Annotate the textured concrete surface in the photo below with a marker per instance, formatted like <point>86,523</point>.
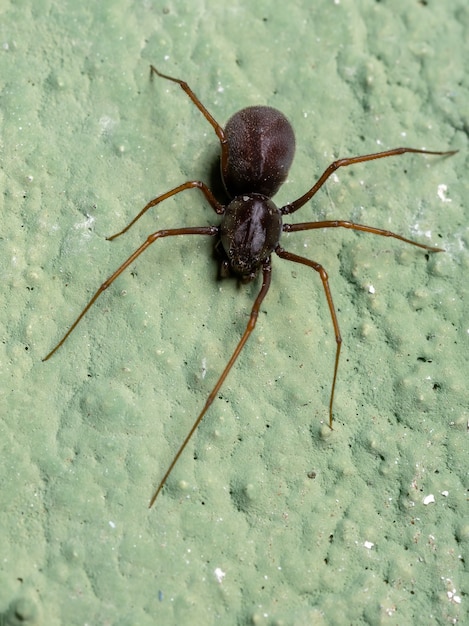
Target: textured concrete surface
<point>268,518</point>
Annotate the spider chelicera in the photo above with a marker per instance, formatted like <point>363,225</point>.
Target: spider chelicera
<point>257,149</point>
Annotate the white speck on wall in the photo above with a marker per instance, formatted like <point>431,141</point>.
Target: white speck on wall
<point>454,597</point>
<point>442,191</point>
<point>219,574</point>
<point>429,499</point>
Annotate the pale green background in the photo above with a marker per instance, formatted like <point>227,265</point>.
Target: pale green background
<point>86,140</point>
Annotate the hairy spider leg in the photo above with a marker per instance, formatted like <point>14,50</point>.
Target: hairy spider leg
<point>297,204</point>
<point>194,230</point>
<point>266,278</point>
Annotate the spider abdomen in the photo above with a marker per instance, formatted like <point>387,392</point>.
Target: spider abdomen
<point>261,146</point>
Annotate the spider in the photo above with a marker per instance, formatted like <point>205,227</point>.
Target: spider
<point>257,149</point>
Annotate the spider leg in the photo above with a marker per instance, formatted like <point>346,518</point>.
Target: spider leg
<point>195,230</point>
<point>297,204</point>
<point>211,120</point>
<point>292,228</point>
<point>266,278</point>
<point>191,184</point>
<point>289,256</point>
<point>182,83</point>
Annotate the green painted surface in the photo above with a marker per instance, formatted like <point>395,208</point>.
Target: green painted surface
<point>240,535</point>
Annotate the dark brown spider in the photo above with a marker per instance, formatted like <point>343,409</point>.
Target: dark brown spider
<point>257,149</point>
